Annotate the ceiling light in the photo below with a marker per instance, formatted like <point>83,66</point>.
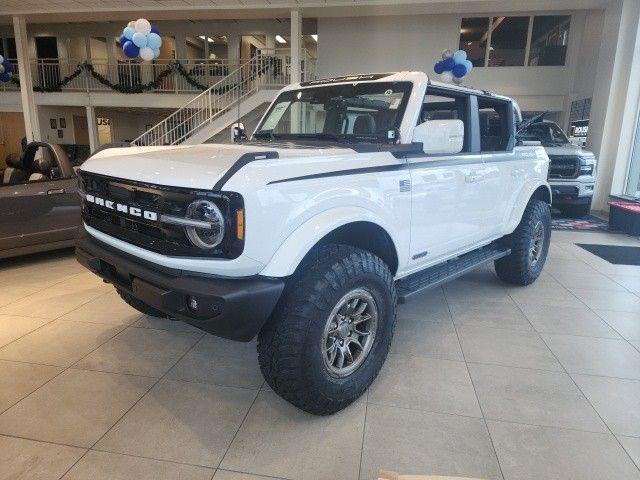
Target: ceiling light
<point>315,37</point>
<point>280,39</point>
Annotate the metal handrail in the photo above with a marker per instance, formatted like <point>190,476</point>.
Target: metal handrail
<point>260,72</point>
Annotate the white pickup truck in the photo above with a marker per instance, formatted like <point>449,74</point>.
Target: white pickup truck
<point>353,194</point>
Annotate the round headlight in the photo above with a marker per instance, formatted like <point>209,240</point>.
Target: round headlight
<point>212,231</point>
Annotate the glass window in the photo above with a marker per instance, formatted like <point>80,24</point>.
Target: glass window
<point>549,39</point>
<point>473,39</point>
<point>508,41</point>
<point>633,180</point>
<point>440,104</point>
<point>495,132</point>
<point>337,112</point>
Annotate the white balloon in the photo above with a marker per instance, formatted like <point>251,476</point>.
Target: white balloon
<point>132,24</point>
<point>445,76</point>
<point>1,59</point>
<point>1,69</point>
<point>143,26</point>
<point>447,53</point>
<point>146,53</point>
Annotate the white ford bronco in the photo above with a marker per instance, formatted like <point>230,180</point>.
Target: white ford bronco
<point>353,194</point>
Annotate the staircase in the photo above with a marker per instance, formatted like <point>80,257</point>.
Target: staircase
<point>251,84</point>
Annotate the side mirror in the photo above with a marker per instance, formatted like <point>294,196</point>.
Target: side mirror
<point>440,136</point>
<point>238,133</point>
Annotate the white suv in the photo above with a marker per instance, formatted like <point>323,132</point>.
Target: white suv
<point>353,194</point>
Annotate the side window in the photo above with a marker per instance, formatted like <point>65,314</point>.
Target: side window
<point>440,104</point>
<point>495,125</point>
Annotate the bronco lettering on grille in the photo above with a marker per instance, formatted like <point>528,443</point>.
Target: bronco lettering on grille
<point>121,207</point>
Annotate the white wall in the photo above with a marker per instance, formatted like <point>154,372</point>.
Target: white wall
<point>45,113</point>
<point>380,44</point>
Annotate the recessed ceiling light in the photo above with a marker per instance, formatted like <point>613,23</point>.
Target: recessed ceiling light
<point>280,39</point>
<point>315,37</point>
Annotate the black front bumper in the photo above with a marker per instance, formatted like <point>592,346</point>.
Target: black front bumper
<point>230,308</point>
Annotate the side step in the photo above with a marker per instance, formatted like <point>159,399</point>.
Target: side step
<point>439,274</point>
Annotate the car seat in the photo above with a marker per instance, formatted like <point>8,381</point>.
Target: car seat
<point>14,172</point>
<point>364,125</point>
<point>42,169</point>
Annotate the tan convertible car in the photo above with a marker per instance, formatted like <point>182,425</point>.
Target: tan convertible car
<point>39,203</point>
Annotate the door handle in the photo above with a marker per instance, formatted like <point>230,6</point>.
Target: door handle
<point>55,191</point>
<point>473,177</point>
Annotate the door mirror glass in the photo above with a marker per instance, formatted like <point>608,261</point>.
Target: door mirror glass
<point>238,133</point>
<point>440,136</point>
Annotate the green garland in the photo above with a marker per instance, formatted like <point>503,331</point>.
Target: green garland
<point>174,66</point>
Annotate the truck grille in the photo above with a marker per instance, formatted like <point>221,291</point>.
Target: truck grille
<point>148,234</point>
<point>564,167</point>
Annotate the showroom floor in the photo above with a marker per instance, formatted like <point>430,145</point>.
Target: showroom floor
<point>484,380</point>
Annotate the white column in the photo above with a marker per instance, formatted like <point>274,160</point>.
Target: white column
<point>112,59</point>
<point>296,44</point>
<point>29,109</point>
<point>615,100</point>
<point>92,126</point>
<point>270,43</point>
<point>233,48</point>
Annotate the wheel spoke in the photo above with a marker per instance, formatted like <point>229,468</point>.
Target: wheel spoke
<point>361,309</point>
<point>347,353</point>
<point>361,318</point>
<point>356,343</point>
<point>340,362</point>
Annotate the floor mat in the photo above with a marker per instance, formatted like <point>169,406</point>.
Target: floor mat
<point>585,224</point>
<point>616,254</point>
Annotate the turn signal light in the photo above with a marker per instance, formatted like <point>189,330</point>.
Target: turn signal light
<point>240,224</point>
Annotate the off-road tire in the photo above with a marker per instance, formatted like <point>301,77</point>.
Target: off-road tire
<point>140,306</point>
<point>517,268</point>
<point>290,344</point>
<point>575,211</point>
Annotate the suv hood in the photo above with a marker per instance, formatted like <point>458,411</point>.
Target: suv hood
<point>192,166</point>
<point>567,149</point>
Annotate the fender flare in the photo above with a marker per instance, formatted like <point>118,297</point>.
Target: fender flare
<point>522,200</point>
<point>291,252</point>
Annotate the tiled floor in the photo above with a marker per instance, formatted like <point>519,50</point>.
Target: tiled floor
<point>484,380</point>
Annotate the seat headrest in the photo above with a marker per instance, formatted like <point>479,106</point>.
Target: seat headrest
<point>13,175</point>
<point>13,160</point>
<point>364,125</point>
<point>43,165</point>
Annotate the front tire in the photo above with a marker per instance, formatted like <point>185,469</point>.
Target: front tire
<point>331,331</point>
<point>529,245</point>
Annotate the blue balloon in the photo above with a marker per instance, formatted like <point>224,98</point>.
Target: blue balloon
<point>156,52</point>
<point>8,66</point>
<point>128,33</point>
<point>130,49</point>
<point>122,40</point>
<point>438,68</point>
<point>448,64</point>
<point>459,71</point>
<point>468,64</point>
<point>460,56</point>
<point>139,39</point>
<point>154,40</point>
<point>155,30</point>
<point>5,77</point>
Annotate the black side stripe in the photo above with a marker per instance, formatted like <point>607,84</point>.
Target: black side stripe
<point>241,162</point>
<point>339,173</point>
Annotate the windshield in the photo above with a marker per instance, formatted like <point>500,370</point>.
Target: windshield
<point>547,133</point>
<point>348,112</point>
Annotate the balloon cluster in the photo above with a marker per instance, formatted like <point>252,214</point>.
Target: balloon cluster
<point>6,69</point>
<point>140,38</point>
<point>453,66</point>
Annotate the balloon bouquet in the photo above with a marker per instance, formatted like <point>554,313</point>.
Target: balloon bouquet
<point>140,38</point>
<point>453,66</point>
<point>6,69</point>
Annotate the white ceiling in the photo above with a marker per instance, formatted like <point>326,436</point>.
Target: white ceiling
<point>45,11</point>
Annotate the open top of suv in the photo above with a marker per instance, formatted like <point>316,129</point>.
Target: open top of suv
<point>353,194</point>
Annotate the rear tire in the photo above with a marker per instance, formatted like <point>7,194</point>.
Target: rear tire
<point>140,306</point>
<point>338,293</point>
<point>529,245</point>
<point>575,211</point>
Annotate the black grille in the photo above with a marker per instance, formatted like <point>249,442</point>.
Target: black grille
<point>563,167</point>
<point>148,234</point>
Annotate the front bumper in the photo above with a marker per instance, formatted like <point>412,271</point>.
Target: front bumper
<point>230,308</point>
<point>571,193</point>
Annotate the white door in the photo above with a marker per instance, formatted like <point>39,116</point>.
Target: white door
<point>447,196</point>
